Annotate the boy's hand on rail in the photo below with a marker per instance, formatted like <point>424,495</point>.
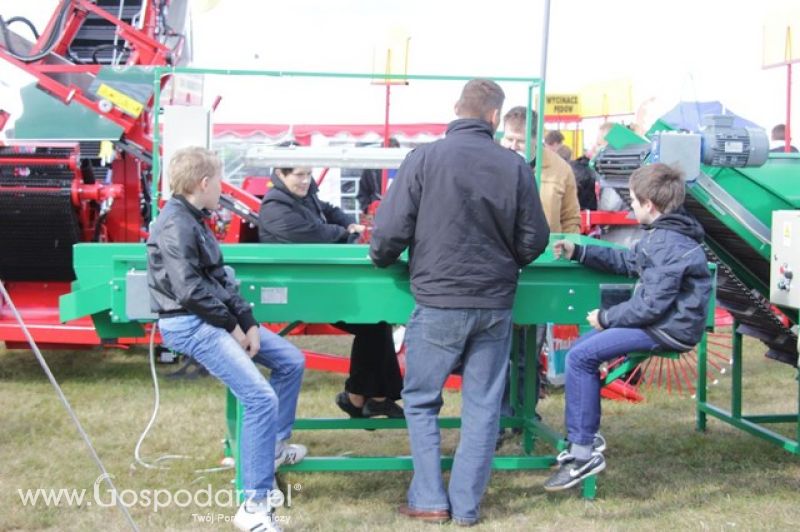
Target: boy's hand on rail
<point>594,319</point>
<point>563,248</point>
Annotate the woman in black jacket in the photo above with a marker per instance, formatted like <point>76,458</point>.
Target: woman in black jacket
<point>291,212</point>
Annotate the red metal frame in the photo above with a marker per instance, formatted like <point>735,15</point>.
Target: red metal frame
<point>125,221</point>
<point>145,51</point>
<point>590,219</point>
<point>787,146</point>
<point>37,304</point>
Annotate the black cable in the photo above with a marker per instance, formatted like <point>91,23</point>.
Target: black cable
<point>25,21</point>
<point>51,39</point>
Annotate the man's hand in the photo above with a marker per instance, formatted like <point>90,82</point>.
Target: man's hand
<point>594,319</point>
<point>253,341</point>
<point>356,228</point>
<point>563,248</point>
<point>240,337</point>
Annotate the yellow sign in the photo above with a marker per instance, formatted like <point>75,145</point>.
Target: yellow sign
<point>124,102</point>
<point>607,98</point>
<point>391,58</point>
<point>781,44</point>
<point>562,105</point>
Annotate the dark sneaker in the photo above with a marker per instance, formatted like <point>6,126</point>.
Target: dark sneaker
<point>598,444</point>
<point>343,402</point>
<point>390,409</point>
<point>572,471</point>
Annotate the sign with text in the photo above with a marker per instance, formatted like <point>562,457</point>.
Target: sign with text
<point>563,107</point>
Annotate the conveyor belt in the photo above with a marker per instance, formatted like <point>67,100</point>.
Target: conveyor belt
<point>38,223</point>
<point>94,42</point>
<point>750,308</point>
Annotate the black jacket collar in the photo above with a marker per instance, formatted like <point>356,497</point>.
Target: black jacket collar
<point>198,214</point>
<point>470,125</point>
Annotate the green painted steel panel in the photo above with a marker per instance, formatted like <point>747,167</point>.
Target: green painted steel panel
<point>46,118</point>
<point>321,283</point>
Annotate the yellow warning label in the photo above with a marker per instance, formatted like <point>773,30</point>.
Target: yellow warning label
<point>124,102</point>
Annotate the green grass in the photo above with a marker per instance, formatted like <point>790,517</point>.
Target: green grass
<point>661,475</point>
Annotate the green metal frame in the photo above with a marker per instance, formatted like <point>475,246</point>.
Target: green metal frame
<point>160,72</point>
<point>750,423</point>
<point>760,191</point>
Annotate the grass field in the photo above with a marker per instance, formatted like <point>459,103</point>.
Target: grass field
<point>661,475</point>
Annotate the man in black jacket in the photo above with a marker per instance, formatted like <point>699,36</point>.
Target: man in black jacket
<point>201,314</point>
<point>469,212</point>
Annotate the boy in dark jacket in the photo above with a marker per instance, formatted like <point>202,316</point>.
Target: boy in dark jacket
<point>667,311</point>
<point>201,314</point>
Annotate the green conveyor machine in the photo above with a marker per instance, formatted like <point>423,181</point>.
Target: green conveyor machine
<point>320,283</point>
<point>734,188</point>
<point>330,283</point>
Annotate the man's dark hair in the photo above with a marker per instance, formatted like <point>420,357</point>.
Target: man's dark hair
<point>479,98</point>
<point>661,184</point>
<point>553,137</point>
<point>779,132</point>
<point>515,119</point>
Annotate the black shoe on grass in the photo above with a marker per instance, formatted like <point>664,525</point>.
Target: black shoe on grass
<point>572,471</point>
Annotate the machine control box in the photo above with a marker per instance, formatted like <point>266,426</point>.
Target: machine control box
<point>785,261</point>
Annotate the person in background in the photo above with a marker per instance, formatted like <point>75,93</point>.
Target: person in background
<point>778,140</point>
<point>559,199</point>
<point>553,140</point>
<point>369,185</point>
<point>291,212</point>
<point>565,152</point>
<point>558,192</point>
<point>586,182</point>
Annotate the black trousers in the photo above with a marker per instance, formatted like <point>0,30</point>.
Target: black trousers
<point>374,371</point>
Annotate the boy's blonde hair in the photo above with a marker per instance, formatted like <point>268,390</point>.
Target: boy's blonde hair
<point>661,184</point>
<point>189,166</point>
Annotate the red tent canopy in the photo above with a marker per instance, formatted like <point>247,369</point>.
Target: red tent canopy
<point>302,132</point>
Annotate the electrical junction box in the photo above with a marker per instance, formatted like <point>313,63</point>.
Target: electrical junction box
<point>785,263</point>
<point>137,296</point>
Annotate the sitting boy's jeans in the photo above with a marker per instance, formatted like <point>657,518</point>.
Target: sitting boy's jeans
<point>583,380</point>
<point>436,341</point>
<point>269,407</point>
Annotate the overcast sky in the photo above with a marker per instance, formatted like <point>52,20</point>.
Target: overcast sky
<point>673,51</point>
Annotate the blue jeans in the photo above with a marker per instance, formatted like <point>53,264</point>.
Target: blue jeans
<point>269,406</point>
<point>582,411</point>
<point>437,340</point>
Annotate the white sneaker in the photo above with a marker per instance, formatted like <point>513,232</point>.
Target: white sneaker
<point>256,517</point>
<point>289,453</point>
